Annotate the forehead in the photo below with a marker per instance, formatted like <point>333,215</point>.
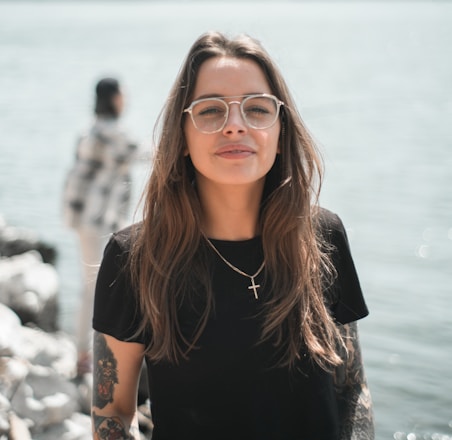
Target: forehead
<point>227,76</point>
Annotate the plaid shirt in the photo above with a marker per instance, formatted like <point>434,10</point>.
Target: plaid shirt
<point>97,187</point>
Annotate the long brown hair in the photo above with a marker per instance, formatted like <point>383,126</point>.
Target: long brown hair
<point>167,257</point>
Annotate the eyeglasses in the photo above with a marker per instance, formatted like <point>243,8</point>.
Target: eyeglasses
<point>209,115</point>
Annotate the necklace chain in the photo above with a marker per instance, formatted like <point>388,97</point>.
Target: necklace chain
<point>253,286</point>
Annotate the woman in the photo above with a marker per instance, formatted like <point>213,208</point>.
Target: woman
<point>96,197</point>
<point>238,291</point>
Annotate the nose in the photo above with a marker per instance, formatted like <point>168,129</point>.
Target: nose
<point>234,122</point>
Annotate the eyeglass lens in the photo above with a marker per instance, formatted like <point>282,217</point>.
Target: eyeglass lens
<point>260,112</point>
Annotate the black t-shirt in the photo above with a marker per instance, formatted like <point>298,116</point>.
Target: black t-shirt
<point>227,389</point>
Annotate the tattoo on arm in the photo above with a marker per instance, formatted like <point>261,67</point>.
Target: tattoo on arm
<point>106,428</point>
<point>105,372</point>
<point>354,400</point>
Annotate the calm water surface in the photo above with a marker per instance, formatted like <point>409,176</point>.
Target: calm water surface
<point>372,81</point>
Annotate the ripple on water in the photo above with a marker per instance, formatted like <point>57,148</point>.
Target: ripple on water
<point>414,436</point>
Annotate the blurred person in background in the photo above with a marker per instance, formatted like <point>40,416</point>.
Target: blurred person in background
<point>96,198</point>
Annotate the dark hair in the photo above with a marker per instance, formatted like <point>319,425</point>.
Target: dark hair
<point>168,256</point>
<point>106,90</point>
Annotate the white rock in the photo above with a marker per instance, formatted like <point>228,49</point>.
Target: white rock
<point>12,373</point>
<point>12,233</point>
<point>58,408</point>
<point>35,398</point>
<point>42,279</point>
<point>78,427</point>
<point>12,266</point>
<point>25,300</point>
<point>26,283</point>
<point>10,329</point>
<point>5,407</point>
<point>55,350</point>
<point>45,381</point>
<point>25,406</point>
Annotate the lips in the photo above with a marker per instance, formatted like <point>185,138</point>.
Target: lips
<point>235,150</point>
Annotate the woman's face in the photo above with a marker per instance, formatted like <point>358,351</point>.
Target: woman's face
<point>237,154</point>
<point>118,102</point>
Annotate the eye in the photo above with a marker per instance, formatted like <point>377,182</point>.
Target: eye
<point>259,107</point>
<point>209,109</point>
<point>256,109</point>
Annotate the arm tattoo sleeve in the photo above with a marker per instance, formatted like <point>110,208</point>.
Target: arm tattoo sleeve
<point>354,400</point>
<point>105,372</point>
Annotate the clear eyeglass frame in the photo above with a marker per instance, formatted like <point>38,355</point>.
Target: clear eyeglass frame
<point>278,103</point>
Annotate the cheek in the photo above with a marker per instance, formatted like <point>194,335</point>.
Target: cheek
<point>195,145</point>
<point>273,138</point>
<point>272,142</point>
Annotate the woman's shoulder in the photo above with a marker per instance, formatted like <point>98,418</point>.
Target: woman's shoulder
<point>126,236</point>
<point>327,221</point>
<point>331,230</point>
<point>344,294</point>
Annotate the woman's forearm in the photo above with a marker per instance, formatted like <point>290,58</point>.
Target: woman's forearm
<point>115,377</point>
<point>354,399</point>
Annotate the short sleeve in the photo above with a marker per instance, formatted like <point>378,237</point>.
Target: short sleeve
<point>347,300</point>
<point>116,310</point>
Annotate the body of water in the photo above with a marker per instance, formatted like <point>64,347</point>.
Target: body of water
<point>373,83</point>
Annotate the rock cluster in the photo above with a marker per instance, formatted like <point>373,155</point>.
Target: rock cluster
<point>28,280</point>
<point>40,397</point>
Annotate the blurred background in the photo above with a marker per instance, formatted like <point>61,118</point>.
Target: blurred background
<point>372,81</point>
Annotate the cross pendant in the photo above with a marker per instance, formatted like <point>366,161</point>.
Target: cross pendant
<point>254,286</point>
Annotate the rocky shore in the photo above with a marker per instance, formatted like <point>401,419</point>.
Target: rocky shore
<point>40,396</point>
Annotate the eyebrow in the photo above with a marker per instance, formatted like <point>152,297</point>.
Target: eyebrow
<point>216,95</point>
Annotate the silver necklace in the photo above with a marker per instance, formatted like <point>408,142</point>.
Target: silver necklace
<point>253,286</point>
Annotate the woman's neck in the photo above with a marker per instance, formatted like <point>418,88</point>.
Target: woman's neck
<point>230,212</point>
